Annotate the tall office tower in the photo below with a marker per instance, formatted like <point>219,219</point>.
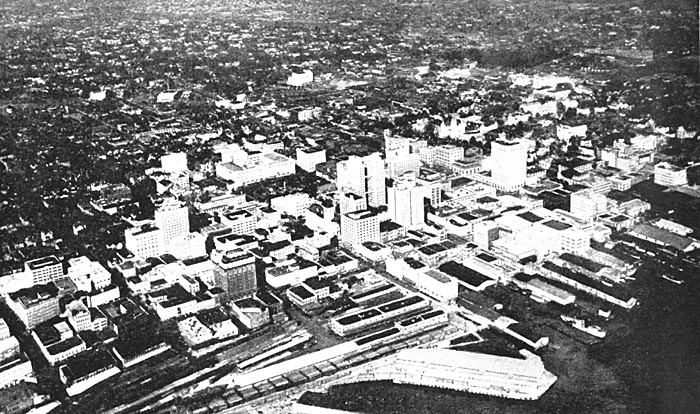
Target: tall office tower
<point>173,219</point>
<point>350,202</point>
<point>234,272</point>
<point>509,164</point>
<point>431,183</point>
<point>363,176</point>
<point>359,227</point>
<point>405,201</point>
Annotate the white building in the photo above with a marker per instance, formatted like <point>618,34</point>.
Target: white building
<point>308,159</point>
<point>405,202</point>
<point>174,162</point>
<point>300,79</point>
<point>354,322</point>
<point>350,202</point>
<point>478,373</point>
<point>397,166</point>
<point>44,270</point>
<point>255,168</point>
<point>172,218</point>
<point>358,227</point>
<point>14,371</point>
<point>437,285</point>
<point>88,275</point>
<point>508,164</point>
<point>79,316</point>
<point>586,205</point>
<point>144,241</point>
<point>431,182</point>
<point>363,176</point>
<point>290,274</point>
<point>292,204</point>
<point>187,246</point>
<point>670,175</point>
<point>221,202</point>
<point>240,221</point>
<point>446,155</point>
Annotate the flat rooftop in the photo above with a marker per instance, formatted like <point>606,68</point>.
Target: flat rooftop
<point>361,214</point>
<point>440,277</point>
<point>43,262</point>
<point>35,295</point>
<point>556,225</point>
<point>302,292</point>
<point>464,274</point>
<point>531,217</point>
<point>85,364</point>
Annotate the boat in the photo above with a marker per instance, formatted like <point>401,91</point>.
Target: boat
<point>672,280</point>
<point>580,324</point>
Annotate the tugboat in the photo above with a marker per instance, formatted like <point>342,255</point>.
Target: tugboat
<point>580,324</point>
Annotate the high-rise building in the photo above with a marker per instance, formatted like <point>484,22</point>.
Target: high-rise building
<point>234,272</point>
<point>405,201</point>
<point>509,164</point>
<point>431,183</point>
<point>173,219</point>
<point>363,176</point>
<point>359,227</point>
<point>144,241</point>
<point>44,270</point>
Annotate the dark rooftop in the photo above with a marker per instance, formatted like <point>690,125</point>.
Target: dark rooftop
<point>557,225</point>
<point>531,217</point>
<point>302,292</point>
<point>464,274</point>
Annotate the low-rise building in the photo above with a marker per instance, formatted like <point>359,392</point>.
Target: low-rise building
<point>239,221</point>
<point>88,275</point>
<point>346,325</point>
<point>58,342</point>
<point>290,273</point>
<point>15,370</point>
<point>251,312</point>
<point>308,159</point>
<point>670,175</point>
<point>175,301</point>
<point>84,371</point>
